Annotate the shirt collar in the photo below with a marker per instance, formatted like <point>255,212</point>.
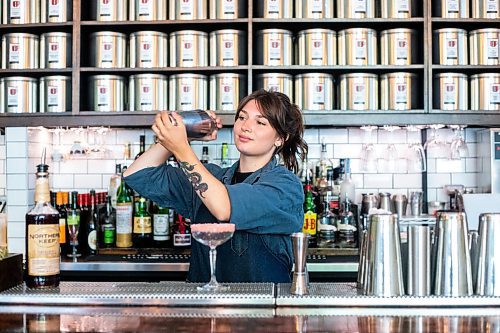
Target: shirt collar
<point>229,173</point>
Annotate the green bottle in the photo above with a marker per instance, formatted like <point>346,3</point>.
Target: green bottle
<point>143,231</point>
<point>161,226</point>
<point>310,215</point>
<point>123,216</point>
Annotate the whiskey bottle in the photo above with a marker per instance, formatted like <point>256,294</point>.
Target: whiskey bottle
<point>42,237</point>
<point>108,230</point>
<point>143,232</point>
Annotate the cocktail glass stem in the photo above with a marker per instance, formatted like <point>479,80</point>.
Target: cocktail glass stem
<point>213,260</point>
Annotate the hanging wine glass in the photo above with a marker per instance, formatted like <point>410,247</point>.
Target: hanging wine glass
<point>435,146</point>
<point>368,153</point>
<point>459,148</point>
<point>416,155</point>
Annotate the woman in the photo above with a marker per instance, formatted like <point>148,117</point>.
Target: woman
<point>263,199</point>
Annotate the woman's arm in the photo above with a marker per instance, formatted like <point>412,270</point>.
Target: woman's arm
<point>154,156</point>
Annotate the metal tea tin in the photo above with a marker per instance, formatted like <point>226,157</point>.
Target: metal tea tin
<point>226,90</point>
<point>317,47</point>
<point>21,11</point>
<point>109,10</point>
<point>188,92</point>
<point>106,93</point>
<point>148,92</point>
<point>451,8</point>
<point>148,10</point>
<point>356,9</point>
<point>276,82</point>
<point>275,9</point>
<point>398,47</point>
<point>314,91</point>
<point>228,47</point>
<point>451,91</point>
<point>55,50</point>
<point>358,91</point>
<point>357,46</point>
<point>56,11</point>
<point>450,46</point>
<point>18,94</point>
<point>148,49</point>
<point>274,47</point>
<point>484,46</point>
<point>485,91</point>
<point>227,9</point>
<point>318,9</point>
<point>188,48</point>
<point>188,10</point>
<point>398,8</point>
<point>486,9</point>
<point>20,51</point>
<point>398,91</point>
<point>109,49</point>
<point>55,93</point>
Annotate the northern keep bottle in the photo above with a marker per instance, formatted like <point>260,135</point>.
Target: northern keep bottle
<point>143,231</point>
<point>42,237</point>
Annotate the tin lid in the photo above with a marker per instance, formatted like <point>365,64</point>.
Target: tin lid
<point>274,31</point>
<point>18,78</point>
<point>398,31</point>
<point>55,78</point>
<point>19,35</point>
<point>451,75</point>
<point>358,75</point>
<point>313,76</point>
<point>450,30</point>
<point>228,32</point>
<point>356,31</point>
<point>274,76</point>
<point>107,33</point>
<point>55,34</point>
<point>189,32</point>
<point>105,77</point>
<point>148,33</point>
<point>149,76</point>
<point>227,76</point>
<point>316,31</point>
<point>484,31</point>
<point>486,76</point>
<point>188,76</point>
<point>398,75</point>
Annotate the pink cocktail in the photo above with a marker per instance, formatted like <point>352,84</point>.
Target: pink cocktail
<point>212,235</point>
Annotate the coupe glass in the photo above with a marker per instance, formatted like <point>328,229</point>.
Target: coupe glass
<point>212,235</point>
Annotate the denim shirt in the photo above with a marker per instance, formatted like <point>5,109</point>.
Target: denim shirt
<point>266,208</point>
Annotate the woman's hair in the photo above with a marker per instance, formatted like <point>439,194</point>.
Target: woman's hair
<point>286,119</point>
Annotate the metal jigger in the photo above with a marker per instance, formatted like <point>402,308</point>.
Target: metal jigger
<point>300,283</point>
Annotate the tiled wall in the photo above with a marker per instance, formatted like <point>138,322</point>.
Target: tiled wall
<point>3,180</point>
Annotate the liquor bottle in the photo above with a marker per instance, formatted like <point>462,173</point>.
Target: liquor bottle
<point>204,155</point>
<point>42,237</point>
<point>181,233</point>
<point>347,187</point>
<point>73,224</point>
<point>83,203</point>
<point>322,167</point>
<point>142,146</point>
<point>114,184</point>
<point>53,198</point>
<point>346,226</point>
<point>107,223</point>
<point>172,162</point>
<point>92,225</point>
<point>224,161</point>
<point>310,215</point>
<point>62,222</point>
<point>123,216</point>
<point>327,226</point>
<point>143,231</point>
<point>161,226</point>
<point>305,172</point>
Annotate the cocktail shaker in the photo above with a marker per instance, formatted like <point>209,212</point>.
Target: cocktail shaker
<point>419,260</point>
<point>488,266</point>
<point>198,123</point>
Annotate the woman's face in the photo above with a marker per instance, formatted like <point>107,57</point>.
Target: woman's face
<point>253,134</point>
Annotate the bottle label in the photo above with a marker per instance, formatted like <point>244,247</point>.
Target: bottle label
<point>146,97</point>
<point>54,8</point>
<point>92,240</point>
<point>43,249</point>
<point>103,96</point>
<point>401,93</point>
<point>14,53</point>
<point>402,49</point>
<point>188,49</point>
<point>142,225</point>
<point>146,54</point>
<point>274,50</point>
<point>186,97</point>
<point>318,96</point>
<point>145,8</point>
<point>109,236</point>
<point>310,220</point>
<point>227,95</point>
<point>360,49</point>
<point>359,95</point>
<point>16,9</point>
<point>62,231</point>
<point>53,96</point>
<point>493,47</point>
<point>161,227</point>
<point>53,53</point>
<point>347,233</point>
<point>182,239</point>
<point>228,51</point>
<point>124,218</point>
<point>228,7</point>
<point>317,49</point>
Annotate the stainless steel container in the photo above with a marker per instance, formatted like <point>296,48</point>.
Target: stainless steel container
<point>276,82</point>
<point>188,92</point>
<point>226,90</point>
<point>21,12</point>
<point>356,9</point>
<point>106,93</point>
<point>55,93</point>
<point>398,8</point>
<point>319,9</point>
<point>451,91</point>
<point>55,50</point>
<point>486,9</point>
<point>484,46</point>
<point>148,10</point>
<point>188,10</point>
<point>20,51</point>
<point>485,91</point>
<point>227,9</point>
<point>398,91</point>
<point>450,46</point>
<point>275,9</point>
<point>109,10</point>
<point>451,8</point>
<point>274,47</point>
<point>109,49</point>
<point>19,94</point>
<point>188,48</point>
<point>317,47</point>
<point>398,47</point>
<point>55,11</point>
<point>148,92</point>
<point>228,47</point>
<point>357,46</point>
<point>148,49</point>
<point>358,91</point>
<point>314,91</point>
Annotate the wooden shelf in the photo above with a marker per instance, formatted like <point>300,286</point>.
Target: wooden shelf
<point>163,70</point>
<point>337,69</point>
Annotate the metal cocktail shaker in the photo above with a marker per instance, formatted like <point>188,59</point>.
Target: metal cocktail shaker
<point>198,123</point>
<point>300,281</point>
<point>419,260</point>
<point>488,266</point>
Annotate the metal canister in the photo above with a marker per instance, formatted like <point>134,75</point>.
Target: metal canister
<point>450,46</point>
<point>148,10</point>
<point>228,47</point>
<point>21,12</point>
<point>20,51</point>
<point>398,8</point>
<point>356,9</point>
<point>188,48</point>
<point>55,93</point>
<point>276,82</point>
<point>188,10</point>
<point>357,46</point>
<point>148,92</point>
<point>317,47</point>
<point>148,49</point>
<point>451,8</point>
<point>484,46</point>
<point>56,11</point>
<point>227,9</point>
<point>399,91</point>
<point>398,47</point>
<point>109,10</point>
<point>358,91</point>
<point>188,92</point>
<point>55,50</point>
<point>314,91</point>
<point>318,9</point>
<point>226,90</point>
<point>18,94</point>
<point>106,93</point>
<point>274,47</point>
<point>485,91</point>
<point>109,49</point>
<point>486,9</point>
<point>451,91</point>
<point>275,9</point>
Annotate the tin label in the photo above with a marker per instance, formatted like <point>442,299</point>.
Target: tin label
<point>105,8</point>
<point>451,48</point>
<point>273,7</point>
<point>274,87</point>
<point>359,95</point>
<point>360,49</point>
<point>146,51</point>
<point>495,93</point>
<point>274,50</point>
<point>161,227</point>
<point>317,49</point>
<point>449,94</point>
<point>14,53</point>
<point>54,8</point>
<point>452,6</point>
<point>228,7</point>
<point>228,51</point>
<point>187,49</point>
<point>226,90</point>
<point>316,7</point>
<point>401,49</point>
<point>491,6</point>
<point>401,93</point>
<point>16,9</point>
<point>492,49</point>
<point>53,54</point>
<point>186,8</point>
<point>145,8</point>
<point>403,6</point>
<point>52,96</point>
<point>103,96</point>
<point>106,52</point>
<point>146,96</point>
<point>359,6</point>
<point>12,97</point>
<point>123,218</point>
<point>318,94</point>
<point>43,249</point>
<point>186,96</point>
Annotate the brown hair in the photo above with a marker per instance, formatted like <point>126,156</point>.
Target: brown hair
<point>286,118</point>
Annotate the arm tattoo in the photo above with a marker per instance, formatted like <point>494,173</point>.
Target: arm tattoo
<point>194,178</point>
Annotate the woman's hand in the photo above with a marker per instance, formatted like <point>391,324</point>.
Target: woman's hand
<point>213,135</point>
<point>170,131</point>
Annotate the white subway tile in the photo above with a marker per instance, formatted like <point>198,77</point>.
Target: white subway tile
<point>397,136</point>
<point>446,165</point>
<point>2,167</point>
<point>377,181</point>
<point>16,134</point>
<point>431,165</point>
<point>471,134</point>
<point>128,136</point>
<point>314,151</point>
<point>466,179</point>
<point>17,165</point>
<point>347,151</point>
<point>17,213</point>
<point>32,181</point>
<point>414,136</point>
<point>17,245</point>
<point>74,166</point>
<point>358,180</point>
<point>3,153</point>
<point>407,181</point>
<point>473,165</point>
<point>311,135</point>
<point>62,181</point>
<point>437,180</point>
<point>431,194</point>
<point>224,135</point>
<point>88,181</point>
<point>3,178</point>
<point>18,198</point>
<point>2,139</point>
<point>357,135</point>
<point>101,166</point>
<point>17,182</point>
<point>472,148</point>
<point>334,135</point>
<point>16,229</point>
<point>105,180</point>
<point>2,192</point>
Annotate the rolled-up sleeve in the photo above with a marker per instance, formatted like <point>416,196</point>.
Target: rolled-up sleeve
<point>272,205</point>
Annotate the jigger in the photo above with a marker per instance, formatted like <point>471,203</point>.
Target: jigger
<point>300,281</point>
<point>488,265</point>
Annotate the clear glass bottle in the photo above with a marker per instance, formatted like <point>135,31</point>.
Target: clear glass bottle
<point>347,226</point>
<point>322,167</point>
<point>224,161</point>
<point>205,158</point>
<point>347,187</point>
<point>305,172</point>
<point>327,227</point>
<point>114,184</point>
